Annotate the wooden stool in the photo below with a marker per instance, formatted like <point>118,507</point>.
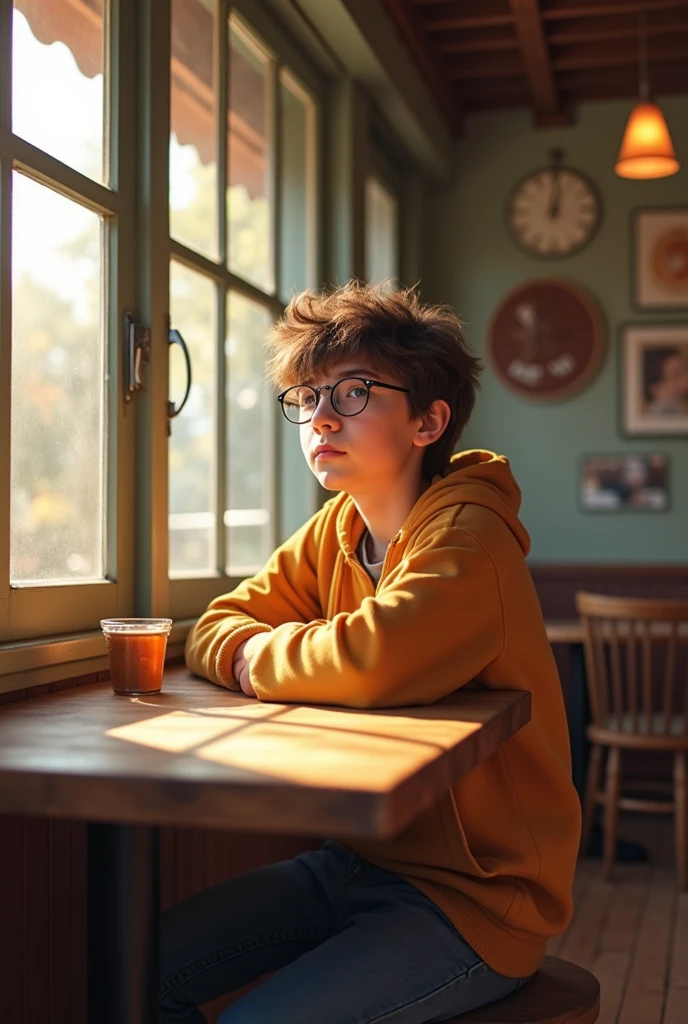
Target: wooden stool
<point>558,993</point>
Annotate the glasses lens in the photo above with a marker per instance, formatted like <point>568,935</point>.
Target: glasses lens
<point>350,396</point>
<point>299,403</point>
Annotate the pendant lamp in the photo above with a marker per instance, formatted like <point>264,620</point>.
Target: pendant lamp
<point>646,148</point>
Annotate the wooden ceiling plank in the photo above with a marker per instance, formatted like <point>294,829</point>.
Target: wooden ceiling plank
<point>480,40</point>
<point>475,67</point>
<point>554,10</point>
<point>617,53</point>
<point>466,16</point>
<point>535,54</point>
<point>584,30</point>
<point>411,31</point>
<point>478,46</point>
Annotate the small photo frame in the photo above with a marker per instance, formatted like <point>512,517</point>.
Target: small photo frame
<point>660,258</point>
<point>654,380</point>
<point>625,482</point>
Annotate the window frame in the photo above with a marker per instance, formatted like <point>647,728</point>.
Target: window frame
<point>29,612</point>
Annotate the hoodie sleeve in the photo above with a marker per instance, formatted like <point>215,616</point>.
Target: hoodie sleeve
<point>434,624</point>
<point>285,591</point>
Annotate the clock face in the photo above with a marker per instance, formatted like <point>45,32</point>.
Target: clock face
<point>554,212</point>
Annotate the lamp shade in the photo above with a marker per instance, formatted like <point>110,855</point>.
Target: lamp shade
<point>646,148</point>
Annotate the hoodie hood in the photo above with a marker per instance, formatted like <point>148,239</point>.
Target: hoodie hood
<point>475,477</point>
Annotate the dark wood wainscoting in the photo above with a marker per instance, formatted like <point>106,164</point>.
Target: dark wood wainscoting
<point>557,584</point>
<point>43,904</point>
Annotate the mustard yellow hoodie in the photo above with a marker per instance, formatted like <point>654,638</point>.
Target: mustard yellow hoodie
<point>455,603</point>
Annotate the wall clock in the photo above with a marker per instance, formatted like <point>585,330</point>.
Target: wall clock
<point>555,211</point>
<point>546,339</point>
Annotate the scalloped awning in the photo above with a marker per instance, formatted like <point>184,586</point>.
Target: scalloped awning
<point>79,25</point>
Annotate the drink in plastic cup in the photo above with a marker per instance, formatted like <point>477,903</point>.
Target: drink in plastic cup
<point>137,653</point>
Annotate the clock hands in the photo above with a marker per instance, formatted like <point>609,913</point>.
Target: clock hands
<point>555,176</point>
<point>555,195</point>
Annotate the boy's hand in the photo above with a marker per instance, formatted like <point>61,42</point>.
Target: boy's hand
<point>241,671</point>
<point>241,662</point>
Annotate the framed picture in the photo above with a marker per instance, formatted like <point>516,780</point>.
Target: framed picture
<point>627,482</point>
<point>660,258</point>
<point>654,380</point>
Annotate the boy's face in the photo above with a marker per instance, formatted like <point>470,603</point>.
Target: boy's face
<point>375,449</point>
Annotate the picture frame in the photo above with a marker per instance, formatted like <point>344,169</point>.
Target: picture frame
<point>624,482</point>
<point>659,255</point>
<point>653,376</point>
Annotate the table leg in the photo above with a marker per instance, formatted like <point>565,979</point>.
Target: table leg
<point>123,924</point>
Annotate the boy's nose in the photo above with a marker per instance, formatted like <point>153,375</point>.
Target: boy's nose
<point>325,414</point>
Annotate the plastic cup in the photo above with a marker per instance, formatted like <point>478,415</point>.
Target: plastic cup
<point>137,653</point>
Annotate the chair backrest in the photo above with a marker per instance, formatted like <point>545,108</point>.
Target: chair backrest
<point>636,658</point>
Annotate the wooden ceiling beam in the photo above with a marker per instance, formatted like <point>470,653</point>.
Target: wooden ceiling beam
<point>554,10</point>
<point>535,55</point>
<point>413,35</point>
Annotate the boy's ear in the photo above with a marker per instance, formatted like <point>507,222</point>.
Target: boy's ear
<point>433,423</point>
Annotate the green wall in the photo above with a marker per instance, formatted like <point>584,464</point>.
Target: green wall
<point>471,262</point>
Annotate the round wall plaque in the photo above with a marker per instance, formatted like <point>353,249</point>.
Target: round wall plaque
<point>546,339</point>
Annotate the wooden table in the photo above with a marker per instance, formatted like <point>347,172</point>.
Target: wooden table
<point>198,755</point>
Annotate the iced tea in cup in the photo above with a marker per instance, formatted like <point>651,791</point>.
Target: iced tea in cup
<point>137,653</point>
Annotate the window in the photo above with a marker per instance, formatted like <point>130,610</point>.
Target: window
<point>82,241</point>
<point>63,282</point>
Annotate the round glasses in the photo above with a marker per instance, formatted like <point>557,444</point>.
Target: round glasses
<point>349,397</point>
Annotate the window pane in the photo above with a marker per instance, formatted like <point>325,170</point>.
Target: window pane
<point>57,80</point>
<point>381,233</point>
<point>298,189</point>
<point>192,450</point>
<point>248,204</point>
<point>249,438</point>
<point>193,144</point>
<point>58,401</point>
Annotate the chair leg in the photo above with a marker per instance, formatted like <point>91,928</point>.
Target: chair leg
<point>680,815</point>
<point>592,787</point>
<point>611,809</point>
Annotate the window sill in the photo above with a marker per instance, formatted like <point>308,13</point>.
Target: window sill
<point>28,663</point>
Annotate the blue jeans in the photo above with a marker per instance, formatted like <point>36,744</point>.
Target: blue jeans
<point>348,942</point>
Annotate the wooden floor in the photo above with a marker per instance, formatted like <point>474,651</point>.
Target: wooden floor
<point>632,933</point>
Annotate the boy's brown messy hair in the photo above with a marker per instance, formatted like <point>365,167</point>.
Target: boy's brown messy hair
<point>422,345</point>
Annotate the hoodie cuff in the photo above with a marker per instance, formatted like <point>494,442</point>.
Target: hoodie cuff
<point>225,656</point>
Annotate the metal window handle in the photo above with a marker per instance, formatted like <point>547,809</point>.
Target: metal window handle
<point>175,338</point>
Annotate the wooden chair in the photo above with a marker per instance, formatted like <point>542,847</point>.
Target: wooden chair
<point>558,993</point>
<point>636,657</point>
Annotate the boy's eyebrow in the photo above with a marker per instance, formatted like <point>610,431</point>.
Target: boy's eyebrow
<point>358,372</point>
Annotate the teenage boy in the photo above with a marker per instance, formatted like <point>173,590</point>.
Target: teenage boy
<point>406,585</point>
